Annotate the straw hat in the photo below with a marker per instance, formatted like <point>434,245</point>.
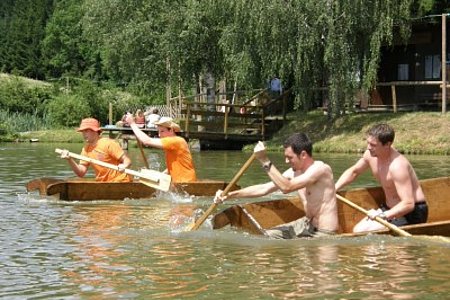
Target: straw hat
<point>89,123</point>
<point>168,123</point>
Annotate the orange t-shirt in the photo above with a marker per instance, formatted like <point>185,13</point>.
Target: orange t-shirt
<point>178,159</point>
<point>108,151</point>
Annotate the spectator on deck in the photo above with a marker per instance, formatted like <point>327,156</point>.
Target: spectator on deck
<point>140,118</point>
<point>275,87</point>
<point>152,117</point>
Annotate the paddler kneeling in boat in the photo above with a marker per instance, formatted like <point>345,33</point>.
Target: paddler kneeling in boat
<point>312,179</point>
<point>179,163</point>
<point>103,149</point>
<point>405,200</point>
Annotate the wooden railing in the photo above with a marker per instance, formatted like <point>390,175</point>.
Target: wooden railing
<point>223,118</point>
<point>394,84</point>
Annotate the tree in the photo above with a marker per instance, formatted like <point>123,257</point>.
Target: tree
<point>25,31</point>
<point>65,50</point>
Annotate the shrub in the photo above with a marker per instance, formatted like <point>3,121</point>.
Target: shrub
<point>67,110</point>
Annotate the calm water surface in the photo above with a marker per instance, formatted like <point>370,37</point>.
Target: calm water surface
<point>131,249</point>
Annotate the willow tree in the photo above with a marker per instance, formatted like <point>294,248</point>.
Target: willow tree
<point>192,42</point>
<point>128,34</point>
<point>313,44</point>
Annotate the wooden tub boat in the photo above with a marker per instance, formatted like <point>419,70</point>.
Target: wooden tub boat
<point>86,190</point>
<point>257,216</point>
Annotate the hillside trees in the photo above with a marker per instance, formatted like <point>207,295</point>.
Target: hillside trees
<point>140,45</point>
<point>65,51</point>
<point>22,23</point>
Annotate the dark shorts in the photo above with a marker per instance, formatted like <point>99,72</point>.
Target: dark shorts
<point>418,215</point>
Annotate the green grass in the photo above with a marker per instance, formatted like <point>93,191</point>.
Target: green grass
<point>416,133</point>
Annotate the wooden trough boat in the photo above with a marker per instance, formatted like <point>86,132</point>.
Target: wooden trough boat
<point>253,217</point>
<point>87,190</point>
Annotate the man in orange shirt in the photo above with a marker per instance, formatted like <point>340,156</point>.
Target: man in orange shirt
<point>178,156</point>
<point>104,149</point>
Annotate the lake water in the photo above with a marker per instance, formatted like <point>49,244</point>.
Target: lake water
<point>129,250</point>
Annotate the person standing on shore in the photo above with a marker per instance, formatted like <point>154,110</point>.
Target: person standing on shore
<point>103,149</point>
<point>178,157</point>
<point>405,200</point>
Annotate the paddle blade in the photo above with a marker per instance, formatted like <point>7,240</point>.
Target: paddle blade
<point>155,179</point>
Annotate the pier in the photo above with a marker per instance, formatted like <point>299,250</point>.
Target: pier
<point>221,125</point>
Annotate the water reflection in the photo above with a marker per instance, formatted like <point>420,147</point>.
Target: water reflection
<point>131,249</point>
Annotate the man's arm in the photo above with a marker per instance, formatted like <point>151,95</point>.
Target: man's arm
<point>252,191</point>
<point>124,162</point>
<point>79,169</point>
<point>141,136</point>
<point>404,188</point>
<point>286,184</point>
<point>352,173</point>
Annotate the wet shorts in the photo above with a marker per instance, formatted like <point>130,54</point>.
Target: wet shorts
<point>296,229</point>
<point>418,215</point>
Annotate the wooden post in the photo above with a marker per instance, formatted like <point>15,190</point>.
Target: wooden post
<point>225,121</point>
<point>168,86</point>
<point>263,125</point>
<point>394,98</point>
<point>110,114</point>
<point>188,117</point>
<point>444,63</point>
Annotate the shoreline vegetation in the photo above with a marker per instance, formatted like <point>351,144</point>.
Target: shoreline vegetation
<point>416,132</point>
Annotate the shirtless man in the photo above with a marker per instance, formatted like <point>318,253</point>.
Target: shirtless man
<point>405,200</point>
<point>312,179</point>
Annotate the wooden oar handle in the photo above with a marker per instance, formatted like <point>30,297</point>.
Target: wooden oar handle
<point>238,175</point>
<point>391,226</point>
<point>233,181</point>
<point>108,165</point>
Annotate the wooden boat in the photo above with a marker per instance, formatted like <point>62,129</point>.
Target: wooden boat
<point>85,190</point>
<point>257,216</point>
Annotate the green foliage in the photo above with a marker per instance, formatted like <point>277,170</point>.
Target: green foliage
<point>65,50</point>
<point>18,96</point>
<point>141,46</point>
<point>24,22</point>
<point>67,110</point>
<point>14,122</point>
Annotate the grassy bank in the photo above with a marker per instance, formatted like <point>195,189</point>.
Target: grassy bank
<point>416,133</point>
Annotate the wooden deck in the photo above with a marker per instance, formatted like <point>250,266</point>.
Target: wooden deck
<point>208,140</point>
<point>221,126</point>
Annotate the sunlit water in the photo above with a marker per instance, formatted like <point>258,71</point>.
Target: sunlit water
<point>135,249</point>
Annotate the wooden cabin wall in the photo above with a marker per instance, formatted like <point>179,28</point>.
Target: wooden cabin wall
<point>425,40</point>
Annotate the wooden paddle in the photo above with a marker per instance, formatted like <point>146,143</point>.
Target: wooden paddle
<point>196,225</point>
<point>141,148</point>
<point>148,177</point>
<point>391,226</point>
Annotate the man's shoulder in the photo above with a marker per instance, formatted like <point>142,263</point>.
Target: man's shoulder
<point>320,165</point>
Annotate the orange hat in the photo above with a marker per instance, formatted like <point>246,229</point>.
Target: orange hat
<point>89,123</point>
<point>168,123</point>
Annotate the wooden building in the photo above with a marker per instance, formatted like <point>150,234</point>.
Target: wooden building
<point>410,75</point>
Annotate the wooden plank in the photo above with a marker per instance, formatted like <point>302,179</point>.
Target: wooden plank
<point>88,190</point>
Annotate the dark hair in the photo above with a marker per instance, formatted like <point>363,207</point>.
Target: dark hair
<point>299,142</point>
<point>383,132</point>
<point>155,110</point>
